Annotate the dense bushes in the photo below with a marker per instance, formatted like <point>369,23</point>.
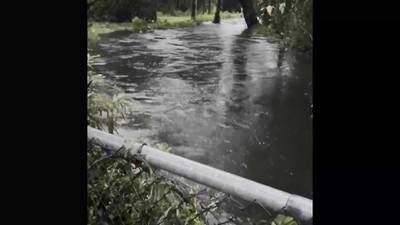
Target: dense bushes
<point>290,20</point>
<point>121,189</point>
<point>126,10</point>
<point>121,192</point>
<point>121,10</point>
<point>106,103</point>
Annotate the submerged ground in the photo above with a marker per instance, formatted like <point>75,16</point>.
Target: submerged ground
<point>218,96</point>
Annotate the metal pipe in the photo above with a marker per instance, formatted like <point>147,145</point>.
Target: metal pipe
<point>246,189</point>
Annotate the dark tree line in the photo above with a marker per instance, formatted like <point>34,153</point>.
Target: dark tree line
<point>122,10</point>
<point>126,10</point>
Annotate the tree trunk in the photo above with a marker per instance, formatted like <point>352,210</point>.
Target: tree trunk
<point>194,7</point>
<point>209,6</point>
<point>217,17</point>
<point>249,12</point>
<point>155,10</point>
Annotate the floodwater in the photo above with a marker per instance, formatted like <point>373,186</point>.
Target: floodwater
<point>218,96</point>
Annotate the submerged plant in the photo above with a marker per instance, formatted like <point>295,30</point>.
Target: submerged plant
<point>122,189</point>
<point>283,220</point>
<point>105,110</point>
<point>140,25</point>
<point>290,21</point>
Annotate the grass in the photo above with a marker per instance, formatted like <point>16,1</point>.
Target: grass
<point>166,21</point>
<point>163,22</point>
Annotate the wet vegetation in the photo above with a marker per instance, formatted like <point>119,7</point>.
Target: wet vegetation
<point>286,21</point>
<point>138,25</point>
<point>121,190</point>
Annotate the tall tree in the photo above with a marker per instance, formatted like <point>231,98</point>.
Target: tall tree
<point>155,10</point>
<point>194,8</point>
<point>217,17</point>
<point>209,6</point>
<point>231,6</point>
<point>249,12</point>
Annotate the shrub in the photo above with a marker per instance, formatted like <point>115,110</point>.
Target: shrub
<point>140,26</point>
<point>121,190</point>
<point>290,20</point>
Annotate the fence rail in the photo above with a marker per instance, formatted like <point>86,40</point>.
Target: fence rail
<point>246,189</point>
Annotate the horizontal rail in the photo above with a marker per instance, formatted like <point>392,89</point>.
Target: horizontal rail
<point>246,189</point>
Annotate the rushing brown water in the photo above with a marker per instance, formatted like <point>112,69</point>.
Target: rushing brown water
<point>219,96</point>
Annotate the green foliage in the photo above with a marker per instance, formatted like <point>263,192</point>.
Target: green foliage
<point>163,147</point>
<point>140,26</point>
<point>121,10</point>
<point>174,7</point>
<point>185,20</point>
<point>104,109</point>
<point>283,220</point>
<point>121,188</point>
<point>97,29</point>
<point>126,10</point>
<point>160,146</point>
<point>119,192</point>
<point>290,21</point>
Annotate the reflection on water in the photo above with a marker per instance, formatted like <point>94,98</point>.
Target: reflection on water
<point>220,97</point>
